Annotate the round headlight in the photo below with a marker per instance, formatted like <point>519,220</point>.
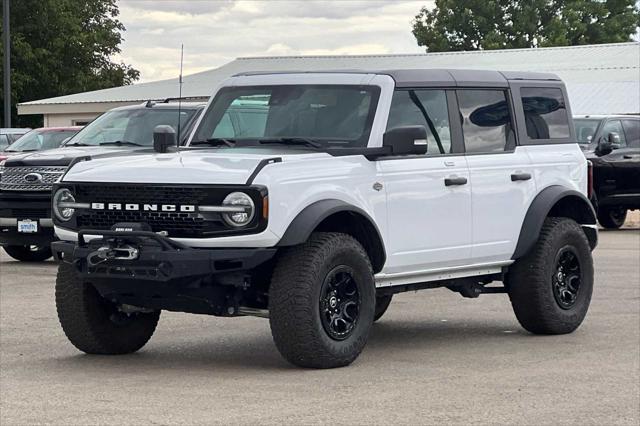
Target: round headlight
<point>61,197</point>
<point>245,209</point>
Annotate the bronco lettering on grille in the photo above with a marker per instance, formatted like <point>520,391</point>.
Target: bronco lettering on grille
<point>144,207</point>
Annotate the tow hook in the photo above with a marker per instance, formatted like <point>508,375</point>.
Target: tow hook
<point>110,253</point>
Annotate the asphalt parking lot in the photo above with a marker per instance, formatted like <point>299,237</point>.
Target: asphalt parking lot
<point>434,358</point>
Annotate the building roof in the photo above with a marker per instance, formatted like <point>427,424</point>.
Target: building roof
<point>600,79</point>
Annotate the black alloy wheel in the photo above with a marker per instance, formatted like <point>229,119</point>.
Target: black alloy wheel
<point>339,303</point>
<point>566,278</point>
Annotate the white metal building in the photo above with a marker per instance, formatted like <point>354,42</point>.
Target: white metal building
<point>601,79</point>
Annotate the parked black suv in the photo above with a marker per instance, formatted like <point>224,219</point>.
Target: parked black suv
<point>612,143</point>
<point>26,228</point>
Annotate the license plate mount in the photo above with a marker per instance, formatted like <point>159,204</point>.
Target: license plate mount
<point>27,226</point>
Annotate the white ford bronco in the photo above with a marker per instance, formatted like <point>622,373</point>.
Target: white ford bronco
<point>312,198</point>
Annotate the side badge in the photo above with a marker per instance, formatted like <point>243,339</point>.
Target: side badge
<point>377,186</point>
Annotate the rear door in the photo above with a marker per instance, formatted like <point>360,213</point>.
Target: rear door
<point>428,196</point>
<point>502,182</point>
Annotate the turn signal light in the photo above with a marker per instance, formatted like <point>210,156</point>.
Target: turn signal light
<point>265,207</point>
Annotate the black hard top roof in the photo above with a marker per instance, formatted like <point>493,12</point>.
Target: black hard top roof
<point>435,77</point>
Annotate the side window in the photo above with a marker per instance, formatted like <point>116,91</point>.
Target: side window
<point>614,126</point>
<point>224,129</point>
<point>486,121</point>
<point>4,142</point>
<point>426,108</point>
<point>251,121</point>
<point>632,132</point>
<point>545,113</point>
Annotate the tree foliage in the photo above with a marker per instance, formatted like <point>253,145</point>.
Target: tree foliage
<point>60,47</point>
<point>455,25</point>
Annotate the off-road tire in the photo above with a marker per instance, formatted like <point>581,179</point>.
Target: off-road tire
<point>612,217</point>
<point>85,317</point>
<point>382,304</point>
<point>530,280</point>
<point>295,298</point>
<point>29,253</point>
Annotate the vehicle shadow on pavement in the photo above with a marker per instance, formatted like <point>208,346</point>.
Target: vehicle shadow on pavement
<point>205,355</point>
<point>440,335</point>
<point>253,354</point>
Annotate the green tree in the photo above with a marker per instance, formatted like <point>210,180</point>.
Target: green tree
<point>502,24</point>
<point>59,47</point>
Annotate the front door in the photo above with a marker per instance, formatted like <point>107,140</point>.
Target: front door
<point>429,196</point>
<point>620,176</point>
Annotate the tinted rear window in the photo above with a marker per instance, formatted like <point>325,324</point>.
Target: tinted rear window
<point>486,121</point>
<point>545,113</point>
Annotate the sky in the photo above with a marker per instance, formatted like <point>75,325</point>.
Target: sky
<point>216,32</point>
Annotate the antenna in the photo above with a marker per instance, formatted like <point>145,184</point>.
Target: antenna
<point>178,140</point>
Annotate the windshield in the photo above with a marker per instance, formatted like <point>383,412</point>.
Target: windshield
<point>332,115</point>
<point>39,140</point>
<point>134,126</point>
<point>586,129</point>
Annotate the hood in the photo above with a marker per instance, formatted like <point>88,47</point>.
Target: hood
<point>63,156</point>
<point>233,166</point>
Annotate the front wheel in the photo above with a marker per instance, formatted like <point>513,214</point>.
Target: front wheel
<point>612,217</point>
<point>29,253</point>
<point>322,301</point>
<point>550,287</point>
<point>94,324</point>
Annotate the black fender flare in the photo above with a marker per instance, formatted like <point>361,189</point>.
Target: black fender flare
<point>539,210</point>
<point>310,217</point>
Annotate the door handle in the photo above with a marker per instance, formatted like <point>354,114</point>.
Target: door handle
<point>520,176</point>
<point>454,180</point>
<point>627,157</point>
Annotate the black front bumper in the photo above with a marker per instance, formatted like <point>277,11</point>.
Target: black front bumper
<point>164,273</point>
<point>35,206</point>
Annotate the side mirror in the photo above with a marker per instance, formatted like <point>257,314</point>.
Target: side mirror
<point>614,140</point>
<point>163,137</point>
<point>406,140</point>
<point>608,144</point>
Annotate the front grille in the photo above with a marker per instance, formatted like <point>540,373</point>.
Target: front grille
<point>42,178</point>
<point>30,213</point>
<point>177,224</point>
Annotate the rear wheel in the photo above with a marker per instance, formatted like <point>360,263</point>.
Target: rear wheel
<point>94,324</point>
<point>550,287</point>
<point>382,304</point>
<point>612,217</point>
<point>29,253</point>
<point>322,301</point>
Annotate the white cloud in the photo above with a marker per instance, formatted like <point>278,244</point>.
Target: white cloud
<point>216,32</point>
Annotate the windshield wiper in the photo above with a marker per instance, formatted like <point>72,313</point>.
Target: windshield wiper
<point>292,141</point>
<point>214,142</point>
<point>77,144</point>
<point>121,143</point>
<point>24,150</point>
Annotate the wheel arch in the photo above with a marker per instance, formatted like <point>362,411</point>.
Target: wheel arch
<point>556,201</point>
<point>337,216</point>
